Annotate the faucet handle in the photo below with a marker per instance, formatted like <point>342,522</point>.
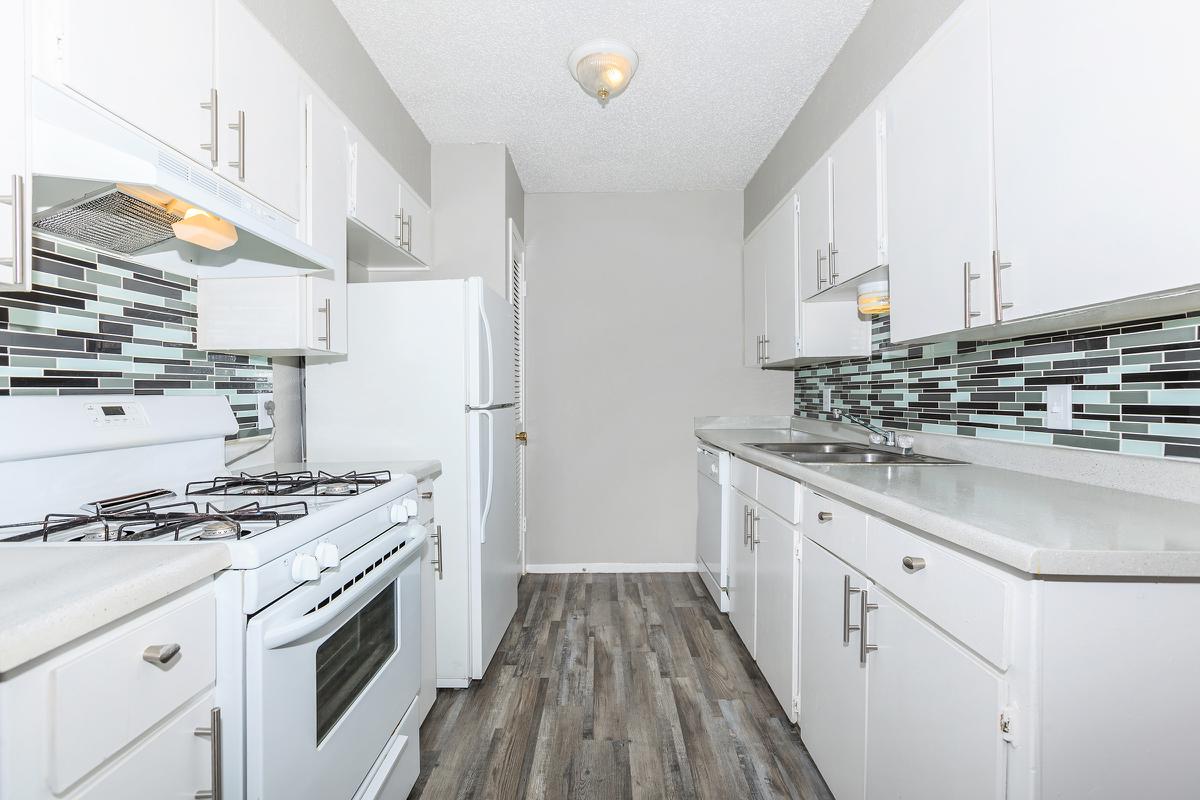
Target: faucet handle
<point>876,438</point>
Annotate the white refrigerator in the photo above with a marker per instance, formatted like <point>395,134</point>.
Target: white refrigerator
<point>430,374</point>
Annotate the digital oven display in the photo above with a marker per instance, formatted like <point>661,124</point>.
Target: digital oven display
<point>113,411</point>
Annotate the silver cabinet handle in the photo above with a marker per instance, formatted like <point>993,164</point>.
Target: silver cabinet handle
<point>968,276</point>
<point>437,562</point>
<point>214,732</point>
<point>325,309</point>
<point>17,200</point>
<point>833,273</point>
<point>913,563</point>
<point>745,526</point>
<point>160,655</point>
<point>824,516</point>
<point>405,222</point>
<point>426,495</point>
<point>864,607</point>
<point>847,590</point>
<point>820,277</point>
<point>240,127</point>
<point>214,126</point>
<point>766,349</point>
<point>754,540</point>
<point>997,291</point>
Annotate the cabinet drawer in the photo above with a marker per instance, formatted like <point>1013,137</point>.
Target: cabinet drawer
<point>425,502</point>
<point>174,762</point>
<point>837,527</point>
<point>108,696</point>
<point>780,494</point>
<point>966,599</point>
<point>708,463</point>
<point>745,477</point>
<point>397,770</point>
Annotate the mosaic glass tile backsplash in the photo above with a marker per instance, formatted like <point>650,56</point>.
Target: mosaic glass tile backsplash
<point>98,325</point>
<point>1135,386</point>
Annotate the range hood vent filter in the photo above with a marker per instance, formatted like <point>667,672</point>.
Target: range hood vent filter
<point>111,220</point>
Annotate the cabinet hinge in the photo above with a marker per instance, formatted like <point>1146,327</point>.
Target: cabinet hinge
<point>1008,724</point>
<point>796,204</point>
<point>796,704</point>
<point>796,551</point>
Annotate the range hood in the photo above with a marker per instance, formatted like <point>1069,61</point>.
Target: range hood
<point>104,185</point>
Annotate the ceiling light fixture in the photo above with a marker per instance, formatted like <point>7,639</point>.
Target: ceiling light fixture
<point>603,67</point>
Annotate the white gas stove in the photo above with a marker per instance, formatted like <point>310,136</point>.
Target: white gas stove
<point>318,620</point>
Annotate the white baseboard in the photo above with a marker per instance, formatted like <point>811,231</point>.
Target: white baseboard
<point>679,566</point>
<point>453,683</point>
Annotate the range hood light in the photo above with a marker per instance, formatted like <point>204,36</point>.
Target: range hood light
<point>204,230</point>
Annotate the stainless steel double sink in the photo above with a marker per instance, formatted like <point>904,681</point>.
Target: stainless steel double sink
<point>845,453</point>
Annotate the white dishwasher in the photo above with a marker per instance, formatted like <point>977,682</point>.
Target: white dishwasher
<point>712,547</point>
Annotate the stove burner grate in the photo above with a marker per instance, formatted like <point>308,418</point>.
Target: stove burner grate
<point>292,483</point>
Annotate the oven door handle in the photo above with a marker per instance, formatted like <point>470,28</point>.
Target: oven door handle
<point>291,632</point>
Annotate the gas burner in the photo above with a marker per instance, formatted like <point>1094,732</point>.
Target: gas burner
<point>304,484</point>
<point>96,532</point>
<point>219,529</point>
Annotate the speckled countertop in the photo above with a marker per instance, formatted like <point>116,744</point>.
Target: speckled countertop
<point>52,594</point>
<point>1037,525</point>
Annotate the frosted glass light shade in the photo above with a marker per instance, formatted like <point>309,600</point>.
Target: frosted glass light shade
<point>204,230</point>
<point>874,297</point>
<point>603,68</point>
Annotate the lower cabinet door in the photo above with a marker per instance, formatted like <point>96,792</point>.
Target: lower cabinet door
<point>742,591</point>
<point>933,713</point>
<point>775,621</point>
<point>833,680</point>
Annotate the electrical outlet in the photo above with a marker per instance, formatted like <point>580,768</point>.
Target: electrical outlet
<point>827,398</point>
<point>264,419</point>
<point>1058,407</point>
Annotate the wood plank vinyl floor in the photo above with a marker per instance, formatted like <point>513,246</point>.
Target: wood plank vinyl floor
<point>615,686</point>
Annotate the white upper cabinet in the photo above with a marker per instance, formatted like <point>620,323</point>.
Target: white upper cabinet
<point>754,308</point>
<point>374,197</point>
<point>416,225</point>
<point>261,110</point>
<point>1097,164</point>
<point>939,182</point>
<point>15,264</point>
<point>778,235</point>
<point>812,194</point>
<point>146,61</point>
<point>326,190</point>
<point>856,181</point>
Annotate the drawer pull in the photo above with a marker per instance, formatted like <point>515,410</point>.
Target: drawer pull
<point>161,655</point>
<point>824,516</point>
<point>864,608</point>
<point>426,495</point>
<point>847,590</point>
<point>913,563</point>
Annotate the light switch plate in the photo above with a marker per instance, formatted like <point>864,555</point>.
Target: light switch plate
<point>264,421</point>
<point>827,398</point>
<point>1058,407</point>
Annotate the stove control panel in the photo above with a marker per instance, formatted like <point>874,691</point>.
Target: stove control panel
<point>118,415</point>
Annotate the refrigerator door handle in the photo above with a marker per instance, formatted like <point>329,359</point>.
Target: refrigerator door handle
<point>491,356</point>
<point>491,469</point>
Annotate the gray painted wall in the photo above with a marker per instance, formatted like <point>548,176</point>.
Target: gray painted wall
<point>320,40</point>
<point>475,191</point>
<point>634,323</point>
<point>888,36</point>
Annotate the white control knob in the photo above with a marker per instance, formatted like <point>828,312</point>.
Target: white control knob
<point>403,511</point>
<point>305,568</point>
<point>327,555</point>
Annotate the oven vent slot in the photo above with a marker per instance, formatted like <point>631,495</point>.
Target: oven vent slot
<point>367,571</point>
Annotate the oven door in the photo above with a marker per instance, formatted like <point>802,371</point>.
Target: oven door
<point>331,668</point>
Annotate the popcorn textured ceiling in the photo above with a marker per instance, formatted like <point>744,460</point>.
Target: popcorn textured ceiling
<point>717,85</point>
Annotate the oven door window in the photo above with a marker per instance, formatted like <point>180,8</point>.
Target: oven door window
<point>352,656</point>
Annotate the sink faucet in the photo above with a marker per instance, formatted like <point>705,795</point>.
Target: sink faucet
<point>879,435</point>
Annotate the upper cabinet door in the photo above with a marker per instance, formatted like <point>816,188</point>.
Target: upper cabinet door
<point>15,265</point>
<point>815,233</point>
<point>782,299</point>
<point>261,101</point>
<point>376,191</point>
<point>1097,165</point>
<point>856,176</point>
<point>326,312</point>
<point>754,310</point>
<point>148,62</point>
<point>939,182</point>
<point>417,230</point>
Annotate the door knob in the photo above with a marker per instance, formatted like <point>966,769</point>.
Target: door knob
<point>522,437</point>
